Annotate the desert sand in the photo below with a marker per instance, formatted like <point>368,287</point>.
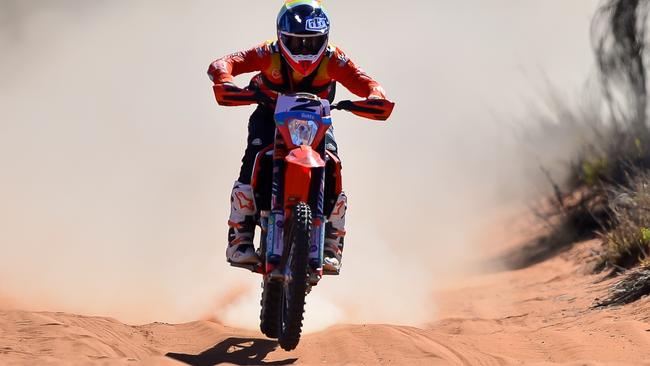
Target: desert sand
<point>536,315</point>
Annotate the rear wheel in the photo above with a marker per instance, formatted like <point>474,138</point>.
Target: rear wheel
<point>294,289</point>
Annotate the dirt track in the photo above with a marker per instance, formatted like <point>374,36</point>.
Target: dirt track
<point>538,315</point>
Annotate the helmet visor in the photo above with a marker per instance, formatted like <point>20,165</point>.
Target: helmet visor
<point>309,45</point>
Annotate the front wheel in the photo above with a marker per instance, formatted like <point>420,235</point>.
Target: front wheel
<point>295,285</point>
<point>270,313</point>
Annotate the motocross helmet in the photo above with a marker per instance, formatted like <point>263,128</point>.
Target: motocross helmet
<point>303,33</point>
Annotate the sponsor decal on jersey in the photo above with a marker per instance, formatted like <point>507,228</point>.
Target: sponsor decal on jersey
<point>221,66</point>
<point>343,59</point>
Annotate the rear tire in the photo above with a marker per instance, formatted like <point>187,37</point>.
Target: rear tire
<point>295,289</point>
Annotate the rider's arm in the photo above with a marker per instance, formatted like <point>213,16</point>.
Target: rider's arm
<point>226,68</point>
<point>222,72</point>
<point>346,72</point>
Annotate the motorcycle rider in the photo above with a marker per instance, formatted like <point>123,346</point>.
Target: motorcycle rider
<point>300,60</point>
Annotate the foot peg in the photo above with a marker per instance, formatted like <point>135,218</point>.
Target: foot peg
<point>331,272</point>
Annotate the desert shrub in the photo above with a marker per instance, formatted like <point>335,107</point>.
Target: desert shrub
<point>628,242</point>
<point>607,179</point>
<point>634,286</point>
<point>606,191</point>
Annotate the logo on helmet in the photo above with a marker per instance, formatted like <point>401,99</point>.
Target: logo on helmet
<point>316,24</point>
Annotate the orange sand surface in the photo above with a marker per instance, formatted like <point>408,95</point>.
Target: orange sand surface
<point>537,315</point>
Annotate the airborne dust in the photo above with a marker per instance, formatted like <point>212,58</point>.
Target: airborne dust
<point>117,164</point>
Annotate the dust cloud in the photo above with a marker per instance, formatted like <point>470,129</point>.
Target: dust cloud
<point>117,164</point>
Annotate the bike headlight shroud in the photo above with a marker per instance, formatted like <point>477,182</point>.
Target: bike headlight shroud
<point>303,131</point>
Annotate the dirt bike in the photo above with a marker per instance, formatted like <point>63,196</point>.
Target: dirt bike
<point>292,185</point>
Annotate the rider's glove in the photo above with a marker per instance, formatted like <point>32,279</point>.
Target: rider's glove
<point>229,94</point>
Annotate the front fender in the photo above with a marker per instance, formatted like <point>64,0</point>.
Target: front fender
<point>306,157</point>
<point>297,180</point>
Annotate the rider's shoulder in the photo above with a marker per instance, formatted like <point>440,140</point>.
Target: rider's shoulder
<point>335,53</point>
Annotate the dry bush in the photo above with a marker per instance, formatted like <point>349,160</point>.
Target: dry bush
<point>606,182</point>
<point>628,242</point>
<point>634,286</point>
<point>607,186</point>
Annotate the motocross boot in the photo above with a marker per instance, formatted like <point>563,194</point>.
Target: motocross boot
<point>335,235</point>
<point>242,226</point>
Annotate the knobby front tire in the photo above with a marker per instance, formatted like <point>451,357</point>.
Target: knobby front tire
<point>271,304</point>
<point>295,289</point>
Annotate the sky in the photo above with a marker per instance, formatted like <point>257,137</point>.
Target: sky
<point>116,163</point>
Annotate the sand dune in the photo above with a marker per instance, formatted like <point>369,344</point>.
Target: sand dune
<point>538,315</point>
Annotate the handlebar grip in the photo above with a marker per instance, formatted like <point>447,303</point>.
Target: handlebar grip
<point>262,98</point>
<point>231,95</point>
<point>377,109</point>
<point>343,105</point>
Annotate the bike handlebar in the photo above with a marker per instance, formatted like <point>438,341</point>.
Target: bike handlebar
<point>376,109</point>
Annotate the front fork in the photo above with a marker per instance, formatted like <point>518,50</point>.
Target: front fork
<point>293,183</point>
<point>273,224</point>
<point>317,238</point>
